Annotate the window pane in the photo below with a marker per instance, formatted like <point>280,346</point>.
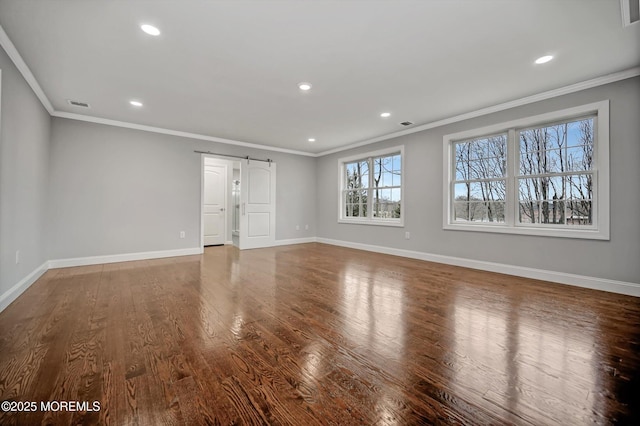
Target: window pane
<point>579,212</point>
<point>558,148</point>
<point>397,163</point>
<point>355,203</point>
<point>386,203</point>
<point>461,211</point>
<point>397,178</point>
<point>548,212</point>
<point>468,191</point>
<point>357,175</point>
<point>482,158</point>
<point>579,186</point>
<point>495,211</point>
<point>396,170</point>
<point>384,170</point>
<point>469,211</point>
<point>529,212</point>
<point>490,167</point>
<point>476,211</point>
<point>580,158</point>
<point>493,190</point>
<point>387,179</point>
<point>556,200</point>
<point>580,132</point>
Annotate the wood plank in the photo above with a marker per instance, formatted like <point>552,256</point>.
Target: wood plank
<point>317,334</point>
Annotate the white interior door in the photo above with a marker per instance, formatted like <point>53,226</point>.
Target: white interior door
<point>257,204</point>
<point>214,207</point>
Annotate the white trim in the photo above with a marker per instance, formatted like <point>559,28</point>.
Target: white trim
<point>228,243</point>
<point>588,84</point>
<point>153,129</point>
<point>201,230</point>
<point>594,283</point>
<point>11,50</point>
<point>295,241</point>
<point>380,222</point>
<point>600,230</point>
<point>12,294</point>
<point>127,257</point>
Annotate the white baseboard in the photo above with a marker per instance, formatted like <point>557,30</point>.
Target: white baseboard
<point>295,241</point>
<point>96,260</point>
<point>630,289</point>
<point>15,291</point>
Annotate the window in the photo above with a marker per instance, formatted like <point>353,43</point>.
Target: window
<point>480,182</point>
<point>544,175</point>
<point>371,188</point>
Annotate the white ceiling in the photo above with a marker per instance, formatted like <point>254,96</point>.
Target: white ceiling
<point>230,69</point>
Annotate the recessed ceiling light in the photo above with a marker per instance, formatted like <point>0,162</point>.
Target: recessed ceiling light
<point>136,103</point>
<point>311,139</point>
<point>385,114</point>
<point>304,86</point>
<point>544,59</point>
<point>150,29</point>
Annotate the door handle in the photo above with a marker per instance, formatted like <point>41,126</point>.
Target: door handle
<point>222,209</point>
<point>244,209</point>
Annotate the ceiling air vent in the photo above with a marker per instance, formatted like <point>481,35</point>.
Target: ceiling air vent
<point>630,12</point>
<point>78,104</point>
<point>406,123</point>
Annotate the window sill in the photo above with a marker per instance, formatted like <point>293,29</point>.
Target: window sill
<point>589,234</point>
<point>399,224</point>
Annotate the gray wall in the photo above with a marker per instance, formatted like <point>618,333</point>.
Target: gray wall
<point>24,165</point>
<point>116,190</point>
<point>617,259</point>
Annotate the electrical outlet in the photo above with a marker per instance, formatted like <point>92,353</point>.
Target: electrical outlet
<point>407,235</point>
<point>306,227</point>
<point>297,227</point>
<point>17,256</point>
<point>182,234</point>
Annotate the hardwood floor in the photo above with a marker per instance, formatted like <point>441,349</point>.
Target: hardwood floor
<point>316,334</point>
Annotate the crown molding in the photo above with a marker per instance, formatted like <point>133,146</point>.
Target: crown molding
<point>588,84</point>
<point>11,50</point>
<point>153,129</point>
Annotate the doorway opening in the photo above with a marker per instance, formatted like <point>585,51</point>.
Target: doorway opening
<point>216,191</point>
<point>237,202</point>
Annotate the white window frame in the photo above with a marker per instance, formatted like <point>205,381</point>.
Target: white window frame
<point>600,228</point>
<point>370,220</point>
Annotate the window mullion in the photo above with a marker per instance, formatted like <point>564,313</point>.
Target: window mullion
<point>370,189</point>
<point>513,160</point>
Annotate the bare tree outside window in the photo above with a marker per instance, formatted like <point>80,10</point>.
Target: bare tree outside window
<point>480,184</point>
<point>372,188</point>
<point>556,179</point>
<point>387,174</point>
<point>356,188</point>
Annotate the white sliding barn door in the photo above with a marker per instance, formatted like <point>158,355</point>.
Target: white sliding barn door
<point>257,204</point>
